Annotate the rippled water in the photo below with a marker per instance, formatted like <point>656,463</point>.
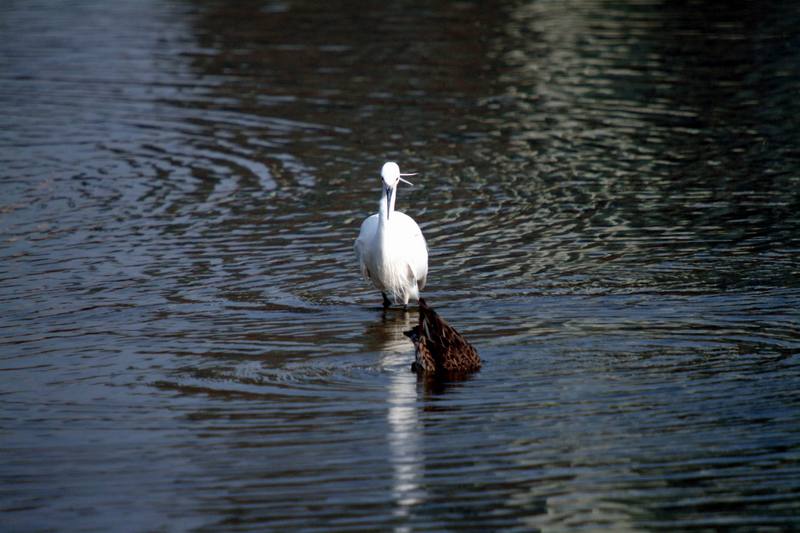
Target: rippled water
<point>610,196</point>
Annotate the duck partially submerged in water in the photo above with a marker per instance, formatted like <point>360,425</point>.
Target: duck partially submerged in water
<point>440,349</point>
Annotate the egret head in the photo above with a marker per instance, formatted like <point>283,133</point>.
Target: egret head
<point>391,175</point>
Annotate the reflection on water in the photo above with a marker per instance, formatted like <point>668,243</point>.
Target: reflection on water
<point>406,453</point>
<point>609,192</point>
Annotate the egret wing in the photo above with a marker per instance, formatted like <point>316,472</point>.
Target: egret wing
<point>368,228</point>
<point>417,249</point>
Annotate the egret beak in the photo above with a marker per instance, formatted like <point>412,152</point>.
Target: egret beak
<point>389,193</point>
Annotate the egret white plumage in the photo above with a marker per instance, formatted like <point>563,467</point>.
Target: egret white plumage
<point>390,248</point>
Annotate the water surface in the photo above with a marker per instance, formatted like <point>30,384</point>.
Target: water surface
<point>610,197</point>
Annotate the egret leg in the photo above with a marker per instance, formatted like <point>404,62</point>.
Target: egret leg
<point>386,302</point>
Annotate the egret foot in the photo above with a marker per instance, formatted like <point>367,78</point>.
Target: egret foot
<point>386,302</point>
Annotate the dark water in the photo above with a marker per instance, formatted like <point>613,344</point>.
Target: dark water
<point>611,196</point>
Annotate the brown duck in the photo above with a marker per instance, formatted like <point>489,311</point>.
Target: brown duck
<point>440,349</point>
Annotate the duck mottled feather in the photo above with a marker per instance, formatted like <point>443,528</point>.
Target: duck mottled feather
<point>440,349</point>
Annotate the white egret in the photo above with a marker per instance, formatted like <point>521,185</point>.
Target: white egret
<point>390,248</point>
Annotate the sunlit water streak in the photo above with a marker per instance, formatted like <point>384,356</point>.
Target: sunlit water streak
<point>609,193</point>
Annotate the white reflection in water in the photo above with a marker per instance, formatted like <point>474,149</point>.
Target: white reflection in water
<point>405,448</point>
